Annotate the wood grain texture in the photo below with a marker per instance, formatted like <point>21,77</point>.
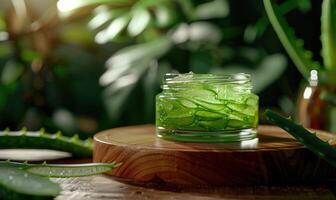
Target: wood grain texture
<point>274,158</point>
<point>104,188</point>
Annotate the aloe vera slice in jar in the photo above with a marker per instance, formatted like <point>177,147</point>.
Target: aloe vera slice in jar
<point>164,104</point>
<point>214,125</point>
<point>179,111</point>
<point>237,124</point>
<point>187,103</point>
<point>221,109</point>
<point>179,116</point>
<point>218,106</point>
<point>243,108</point>
<point>252,100</point>
<point>229,92</point>
<point>207,116</point>
<point>196,89</point>
<point>182,122</point>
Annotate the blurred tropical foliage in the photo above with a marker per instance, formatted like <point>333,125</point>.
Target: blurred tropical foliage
<point>86,65</point>
<point>317,106</point>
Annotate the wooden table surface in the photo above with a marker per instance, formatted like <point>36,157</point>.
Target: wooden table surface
<point>103,188</point>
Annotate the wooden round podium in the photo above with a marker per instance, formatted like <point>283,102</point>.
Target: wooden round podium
<point>274,158</point>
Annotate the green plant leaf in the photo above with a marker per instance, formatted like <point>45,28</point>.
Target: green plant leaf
<point>139,22</point>
<point>310,140</point>
<point>328,97</point>
<point>66,6</point>
<point>268,70</point>
<point>151,80</point>
<point>304,5</point>
<point>19,184</point>
<point>42,140</point>
<point>62,170</point>
<point>254,31</point>
<point>113,30</point>
<point>11,72</point>
<point>102,15</point>
<point>129,57</point>
<point>198,32</point>
<point>212,9</point>
<point>70,170</point>
<point>204,32</point>
<point>117,92</point>
<point>328,33</point>
<point>294,47</point>
<point>165,15</point>
<point>187,8</point>
<point>125,69</point>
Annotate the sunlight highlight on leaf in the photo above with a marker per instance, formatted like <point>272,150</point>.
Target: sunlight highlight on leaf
<point>139,22</point>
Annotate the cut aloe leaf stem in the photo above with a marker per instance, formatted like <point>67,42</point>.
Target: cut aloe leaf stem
<point>307,138</point>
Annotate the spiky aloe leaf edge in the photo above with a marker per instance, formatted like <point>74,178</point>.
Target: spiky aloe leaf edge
<point>42,140</point>
<point>307,138</point>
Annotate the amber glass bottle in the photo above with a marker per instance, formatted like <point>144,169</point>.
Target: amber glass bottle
<point>317,105</point>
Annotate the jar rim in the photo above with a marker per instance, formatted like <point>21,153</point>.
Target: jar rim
<point>238,78</point>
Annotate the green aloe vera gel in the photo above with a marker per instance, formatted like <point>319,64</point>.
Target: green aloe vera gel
<point>206,108</point>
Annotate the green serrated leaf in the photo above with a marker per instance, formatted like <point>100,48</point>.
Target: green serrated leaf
<point>254,31</point>
<point>70,170</point>
<point>19,184</point>
<point>328,34</point>
<point>34,140</point>
<point>293,46</point>
<point>310,140</point>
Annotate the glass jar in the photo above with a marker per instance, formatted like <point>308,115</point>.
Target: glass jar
<point>317,105</point>
<point>207,108</point>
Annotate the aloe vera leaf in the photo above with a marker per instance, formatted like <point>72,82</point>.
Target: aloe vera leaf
<point>328,33</point>
<point>294,47</point>
<point>41,140</point>
<point>62,170</point>
<point>12,164</point>
<point>71,170</point>
<point>18,184</point>
<point>310,140</point>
